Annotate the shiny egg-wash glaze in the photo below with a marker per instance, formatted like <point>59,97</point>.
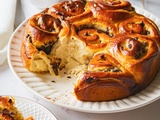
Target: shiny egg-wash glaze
<point>116,48</point>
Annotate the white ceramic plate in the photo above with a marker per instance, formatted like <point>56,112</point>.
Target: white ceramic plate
<point>59,90</point>
<point>30,108</point>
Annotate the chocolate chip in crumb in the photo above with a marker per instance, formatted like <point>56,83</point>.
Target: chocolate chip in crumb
<point>55,68</point>
<point>69,77</point>
<point>53,81</point>
<point>27,35</point>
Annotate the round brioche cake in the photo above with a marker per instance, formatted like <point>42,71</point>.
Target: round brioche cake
<point>113,50</point>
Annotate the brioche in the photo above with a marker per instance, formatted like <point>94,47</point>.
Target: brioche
<point>8,110</point>
<point>113,50</point>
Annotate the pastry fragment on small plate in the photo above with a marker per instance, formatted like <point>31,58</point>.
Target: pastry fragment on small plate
<point>8,110</point>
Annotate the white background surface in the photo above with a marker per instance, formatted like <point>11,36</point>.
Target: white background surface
<point>9,85</point>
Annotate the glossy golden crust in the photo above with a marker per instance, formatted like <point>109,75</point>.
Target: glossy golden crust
<point>112,10</point>
<point>114,50</point>
<point>139,25</point>
<point>124,65</point>
<point>100,86</point>
<point>68,8</point>
<point>95,34</point>
<point>42,32</point>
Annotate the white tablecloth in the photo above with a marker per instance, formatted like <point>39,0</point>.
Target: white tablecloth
<point>7,13</point>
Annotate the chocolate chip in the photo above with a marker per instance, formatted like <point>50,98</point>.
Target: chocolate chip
<point>142,24</point>
<point>102,57</point>
<point>100,31</point>
<point>27,35</point>
<point>89,80</point>
<point>136,38</point>
<point>68,76</point>
<point>147,32</point>
<point>10,100</point>
<point>46,49</point>
<point>55,68</point>
<point>130,46</point>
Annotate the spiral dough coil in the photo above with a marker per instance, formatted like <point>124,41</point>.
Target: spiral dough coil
<point>113,50</point>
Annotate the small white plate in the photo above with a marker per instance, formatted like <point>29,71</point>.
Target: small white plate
<point>59,90</point>
<point>30,108</point>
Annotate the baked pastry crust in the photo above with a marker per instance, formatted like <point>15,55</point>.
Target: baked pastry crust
<point>113,49</point>
<point>8,111</point>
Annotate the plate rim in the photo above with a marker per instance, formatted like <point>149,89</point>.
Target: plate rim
<point>28,100</point>
<point>153,99</point>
